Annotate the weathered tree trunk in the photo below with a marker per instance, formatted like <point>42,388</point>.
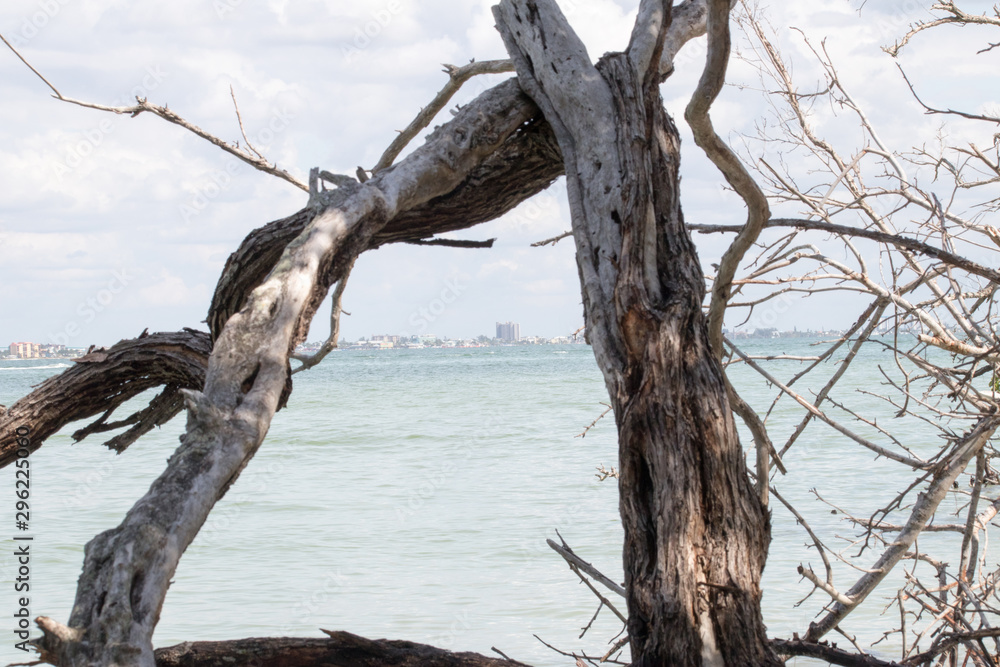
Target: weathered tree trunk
<point>696,535</point>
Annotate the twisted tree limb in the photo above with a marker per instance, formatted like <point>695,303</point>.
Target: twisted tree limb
<point>104,379</point>
<point>526,162</point>
<point>697,115</point>
<point>127,570</point>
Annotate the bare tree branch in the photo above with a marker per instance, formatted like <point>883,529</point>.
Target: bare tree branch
<point>453,243</point>
<point>957,17</point>
<point>697,116</point>
<point>338,648</point>
<point>896,240</point>
<point>828,652</point>
<point>456,77</point>
<point>104,379</point>
<point>251,157</point>
<point>945,473</point>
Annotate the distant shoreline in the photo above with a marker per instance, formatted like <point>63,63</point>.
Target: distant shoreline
<point>742,336</point>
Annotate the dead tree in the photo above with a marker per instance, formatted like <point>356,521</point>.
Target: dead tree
<point>696,528</point>
<point>696,535</point>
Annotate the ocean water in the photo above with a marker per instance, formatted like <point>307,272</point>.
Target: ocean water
<point>408,494</point>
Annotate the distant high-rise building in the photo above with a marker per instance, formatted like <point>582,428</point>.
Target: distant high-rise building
<point>509,331</point>
<point>25,350</point>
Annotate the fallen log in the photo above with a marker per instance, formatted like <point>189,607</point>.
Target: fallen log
<point>340,649</point>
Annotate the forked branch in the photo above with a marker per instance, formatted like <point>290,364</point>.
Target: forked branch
<point>249,155</point>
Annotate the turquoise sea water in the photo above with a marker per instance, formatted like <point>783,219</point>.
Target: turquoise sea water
<point>408,494</point>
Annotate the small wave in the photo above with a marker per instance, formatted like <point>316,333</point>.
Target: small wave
<point>560,352</point>
<point>33,368</point>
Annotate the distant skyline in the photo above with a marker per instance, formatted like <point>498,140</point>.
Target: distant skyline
<point>110,225</point>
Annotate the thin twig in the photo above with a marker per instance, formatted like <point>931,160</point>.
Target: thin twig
<point>239,119</point>
<point>552,241</point>
<point>143,105</point>
<point>37,73</point>
<point>505,656</point>
<point>336,309</point>
<point>594,423</point>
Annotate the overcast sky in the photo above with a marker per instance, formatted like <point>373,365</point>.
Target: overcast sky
<point>109,225</point>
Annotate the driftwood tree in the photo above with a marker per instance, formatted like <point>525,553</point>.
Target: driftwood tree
<point>697,527</point>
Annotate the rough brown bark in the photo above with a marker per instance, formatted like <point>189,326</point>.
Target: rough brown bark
<point>340,649</point>
<point>102,380</point>
<point>696,535</point>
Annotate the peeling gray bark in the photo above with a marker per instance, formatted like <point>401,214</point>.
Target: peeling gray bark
<point>696,534</point>
<point>526,162</point>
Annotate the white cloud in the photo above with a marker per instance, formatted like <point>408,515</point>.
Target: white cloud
<point>120,206</point>
<point>491,268</point>
<point>172,290</point>
<point>546,286</point>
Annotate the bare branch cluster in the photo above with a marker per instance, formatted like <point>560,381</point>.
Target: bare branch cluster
<point>906,234</point>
